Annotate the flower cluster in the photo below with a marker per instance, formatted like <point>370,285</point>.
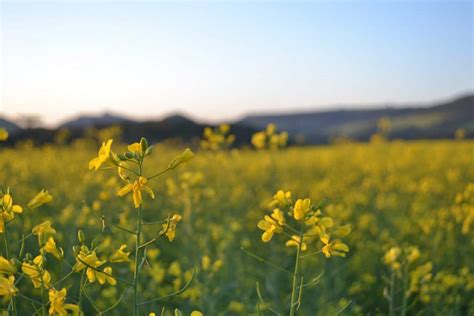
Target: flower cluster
<point>304,223</point>
<point>217,138</point>
<point>269,138</point>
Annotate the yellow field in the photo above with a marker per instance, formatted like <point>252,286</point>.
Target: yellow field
<point>410,206</point>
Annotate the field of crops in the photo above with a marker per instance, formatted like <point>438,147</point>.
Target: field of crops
<point>409,207</point>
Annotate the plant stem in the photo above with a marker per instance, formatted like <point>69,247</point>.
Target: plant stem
<point>295,274</point>
<point>7,254</point>
<point>405,285</point>
<point>136,305</point>
<point>391,311</point>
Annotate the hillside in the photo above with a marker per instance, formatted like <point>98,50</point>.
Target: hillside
<point>410,122</point>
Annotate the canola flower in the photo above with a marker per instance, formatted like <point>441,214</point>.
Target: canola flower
<point>269,138</point>
<point>303,218</point>
<point>217,138</point>
<point>57,301</point>
<point>129,169</point>
<point>3,134</point>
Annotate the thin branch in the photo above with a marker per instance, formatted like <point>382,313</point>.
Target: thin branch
<point>265,261</point>
<point>178,292</point>
<point>107,274</point>
<point>159,173</point>
<point>116,303</point>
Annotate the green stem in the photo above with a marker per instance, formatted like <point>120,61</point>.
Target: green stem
<point>295,274</point>
<point>137,263</point>
<point>43,301</point>
<point>7,254</point>
<point>392,290</point>
<point>405,296</point>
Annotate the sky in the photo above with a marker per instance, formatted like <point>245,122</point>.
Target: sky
<point>219,60</point>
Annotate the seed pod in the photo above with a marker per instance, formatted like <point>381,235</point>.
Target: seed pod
<point>80,236</point>
<point>143,145</point>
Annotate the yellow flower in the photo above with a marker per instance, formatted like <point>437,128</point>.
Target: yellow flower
<point>281,198</point>
<point>87,258</point>
<point>36,273</point>
<point>8,206</point>
<point>135,148</point>
<point>43,231</point>
<point>258,140</point>
<point>120,255</point>
<point>3,134</point>
<point>182,158</point>
<point>136,187</point>
<point>57,306</point>
<point>7,266</point>
<point>103,155</point>
<point>7,210</point>
<point>413,254</point>
<point>196,313</point>
<point>269,226</point>
<point>278,216</point>
<point>321,224</point>
<point>206,262</point>
<point>101,277</point>
<point>392,255</point>
<point>301,208</point>
<point>50,247</point>
<point>342,231</point>
<point>41,198</point>
<point>333,248</point>
<point>171,226</point>
<point>295,241</point>
<point>7,287</point>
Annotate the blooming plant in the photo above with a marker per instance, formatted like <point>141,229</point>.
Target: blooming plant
<point>305,227</point>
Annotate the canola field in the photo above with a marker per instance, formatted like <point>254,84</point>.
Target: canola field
<point>384,228</point>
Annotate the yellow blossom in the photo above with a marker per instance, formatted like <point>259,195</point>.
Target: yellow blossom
<point>205,262</point>
<point>8,206</point>
<point>295,241</point>
<point>270,226</point>
<point>50,247</point>
<point>281,198</point>
<point>333,248</point>
<point>36,273</point>
<point>43,231</point>
<point>7,287</point>
<point>103,155</point>
<point>41,198</point>
<point>57,306</point>
<point>135,148</point>
<point>3,134</point>
<point>7,266</point>
<point>120,255</point>
<point>301,208</point>
<point>136,187</point>
<point>101,277</point>
<point>196,313</point>
<point>171,226</point>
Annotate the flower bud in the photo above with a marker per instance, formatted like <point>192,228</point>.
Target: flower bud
<point>143,145</point>
<point>182,158</point>
<point>80,236</point>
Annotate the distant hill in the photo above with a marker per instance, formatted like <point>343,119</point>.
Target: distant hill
<point>410,122</point>
<point>9,126</point>
<point>317,127</point>
<point>94,121</point>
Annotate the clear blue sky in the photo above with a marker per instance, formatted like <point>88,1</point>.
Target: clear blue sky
<point>218,60</point>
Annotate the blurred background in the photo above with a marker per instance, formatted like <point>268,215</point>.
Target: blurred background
<point>321,70</point>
